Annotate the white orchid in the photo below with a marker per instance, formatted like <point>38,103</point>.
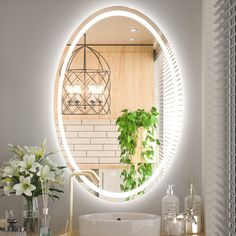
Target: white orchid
<point>24,187</point>
<point>29,164</point>
<point>46,174</point>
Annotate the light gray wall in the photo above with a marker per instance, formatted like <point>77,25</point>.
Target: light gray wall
<point>33,34</point>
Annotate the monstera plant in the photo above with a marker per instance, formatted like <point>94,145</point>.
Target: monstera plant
<point>138,143</point>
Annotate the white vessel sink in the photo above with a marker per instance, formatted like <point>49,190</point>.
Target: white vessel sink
<point>119,224</point>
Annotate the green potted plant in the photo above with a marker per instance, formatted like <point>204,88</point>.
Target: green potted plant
<point>138,143</point>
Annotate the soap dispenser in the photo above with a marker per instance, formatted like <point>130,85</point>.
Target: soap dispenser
<point>170,202</point>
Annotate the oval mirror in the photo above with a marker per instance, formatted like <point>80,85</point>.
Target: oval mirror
<point>118,103</point>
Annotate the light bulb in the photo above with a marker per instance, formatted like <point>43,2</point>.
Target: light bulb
<point>72,89</point>
<point>96,89</point>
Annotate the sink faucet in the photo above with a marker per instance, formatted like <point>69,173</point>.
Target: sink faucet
<point>88,173</point>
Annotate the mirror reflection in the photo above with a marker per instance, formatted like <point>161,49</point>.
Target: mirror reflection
<point>112,103</point>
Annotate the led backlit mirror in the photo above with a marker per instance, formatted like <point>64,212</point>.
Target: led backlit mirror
<point>118,64</point>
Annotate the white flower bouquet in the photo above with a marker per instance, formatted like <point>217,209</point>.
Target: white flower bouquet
<point>30,173</point>
<point>24,174</point>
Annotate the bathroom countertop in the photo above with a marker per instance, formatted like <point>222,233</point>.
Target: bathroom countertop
<point>202,234</point>
<point>77,234</point>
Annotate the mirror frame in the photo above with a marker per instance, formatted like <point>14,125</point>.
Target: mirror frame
<point>160,38</point>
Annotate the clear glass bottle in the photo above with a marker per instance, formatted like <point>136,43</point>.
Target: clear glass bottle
<point>194,202</point>
<point>170,202</point>
<point>30,214</point>
<point>45,229</point>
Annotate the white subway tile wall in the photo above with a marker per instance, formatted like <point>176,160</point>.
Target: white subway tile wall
<point>92,141</point>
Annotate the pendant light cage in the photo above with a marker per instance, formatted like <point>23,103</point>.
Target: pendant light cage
<point>87,84</point>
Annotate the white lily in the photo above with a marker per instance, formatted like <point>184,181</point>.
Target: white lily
<point>8,189</point>
<point>24,187</point>
<point>5,181</point>
<point>46,174</point>
<point>10,170</point>
<point>28,164</point>
<point>14,163</point>
<point>31,150</point>
<point>52,165</point>
<point>59,177</point>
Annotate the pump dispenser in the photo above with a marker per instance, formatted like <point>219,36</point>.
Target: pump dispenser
<point>170,190</point>
<point>170,202</point>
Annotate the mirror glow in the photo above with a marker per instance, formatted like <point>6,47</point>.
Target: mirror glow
<point>97,90</point>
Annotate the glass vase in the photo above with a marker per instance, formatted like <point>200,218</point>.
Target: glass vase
<point>45,224</point>
<point>31,215</point>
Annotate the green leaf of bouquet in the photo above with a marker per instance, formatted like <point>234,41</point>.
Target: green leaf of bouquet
<point>56,190</point>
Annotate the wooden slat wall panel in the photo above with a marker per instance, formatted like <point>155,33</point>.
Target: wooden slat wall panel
<point>131,78</point>
<point>219,118</point>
